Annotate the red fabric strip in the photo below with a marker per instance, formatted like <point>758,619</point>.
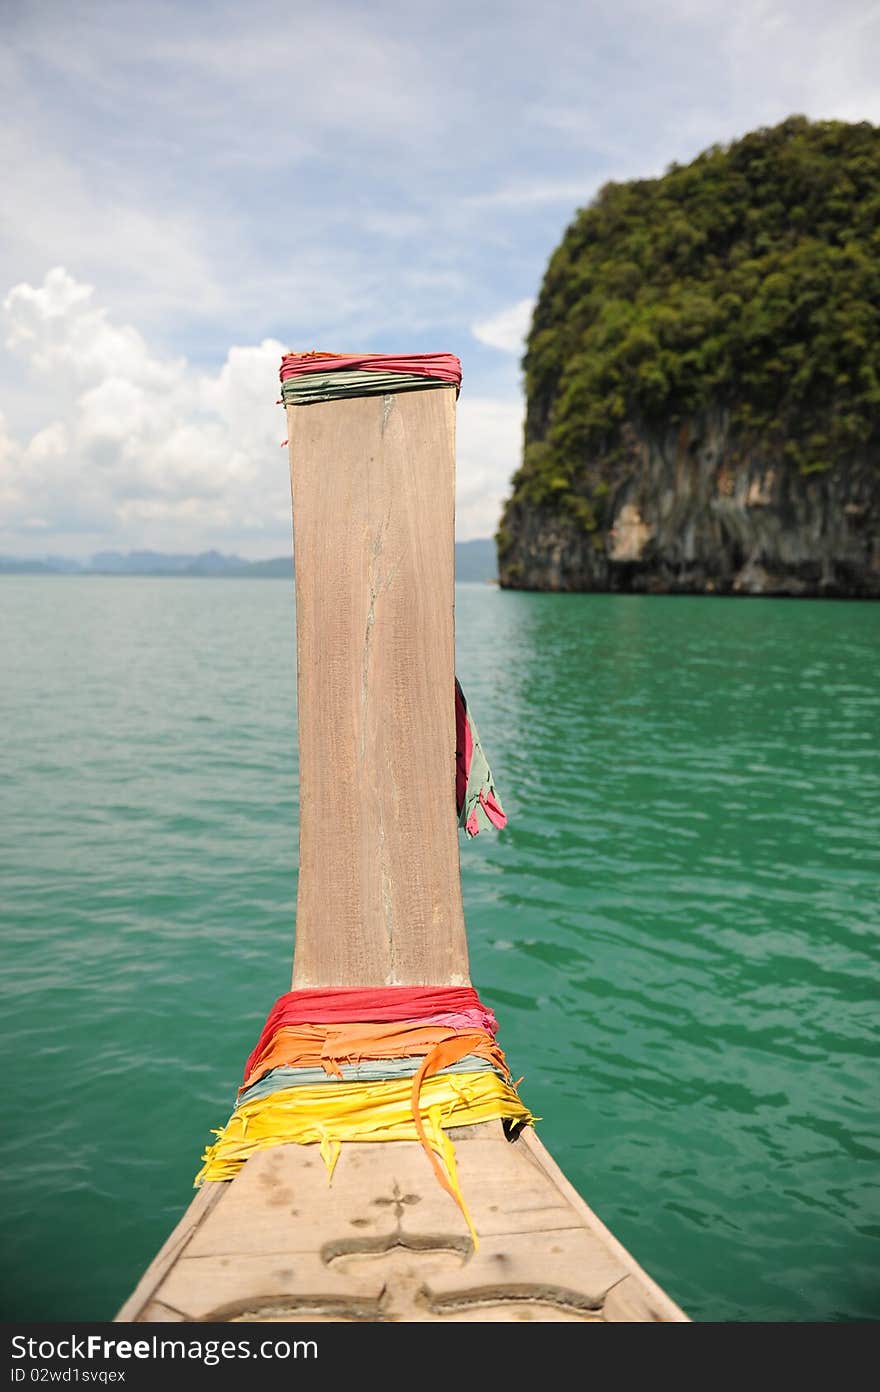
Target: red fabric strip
<point>446,367</point>
<point>366,1005</point>
<point>464,748</point>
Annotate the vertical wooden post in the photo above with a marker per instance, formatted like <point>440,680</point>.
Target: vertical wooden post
<point>379,900</point>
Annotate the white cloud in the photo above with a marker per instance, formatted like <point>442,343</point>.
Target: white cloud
<point>147,448</point>
<point>533,192</point>
<point>151,451</point>
<point>488,449</point>
<point>243,188</point>
<point>809,57</point>
<point>347,177</point>
<point>155,258</point>
<point>57,328</point>
<point>507,329</point>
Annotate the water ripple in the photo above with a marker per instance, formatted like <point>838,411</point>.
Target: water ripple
<point>678,928</point>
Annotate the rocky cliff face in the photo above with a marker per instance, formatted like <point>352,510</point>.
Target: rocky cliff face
<point>702,379</point>
<point>689,512</point>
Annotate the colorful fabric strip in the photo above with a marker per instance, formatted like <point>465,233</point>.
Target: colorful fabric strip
<point>369,1064</point>
<point>329,1046</point>
<point>475,794</point>
<point>332,1113</point>
<point>444,367</point>
<point>369,1004</point>
<point>370,1071</point>
<point>336,386</point>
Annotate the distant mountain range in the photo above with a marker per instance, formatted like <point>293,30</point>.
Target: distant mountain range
<point>474,560</point>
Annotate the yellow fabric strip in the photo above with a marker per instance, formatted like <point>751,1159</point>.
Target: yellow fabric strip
<point>330,1113</point>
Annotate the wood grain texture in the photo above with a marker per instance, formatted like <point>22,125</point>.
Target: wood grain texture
<point>383,1242</point>
<point>379,900</point>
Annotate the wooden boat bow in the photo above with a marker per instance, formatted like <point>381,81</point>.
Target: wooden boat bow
<point>379,903</point>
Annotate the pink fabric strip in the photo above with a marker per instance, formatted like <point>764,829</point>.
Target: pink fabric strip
<point>446,367</point>
<point>497,816</point>
<point>463,1020</point>
<point>368,1004</point>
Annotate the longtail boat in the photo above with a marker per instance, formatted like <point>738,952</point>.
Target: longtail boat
<point>379,1164</point>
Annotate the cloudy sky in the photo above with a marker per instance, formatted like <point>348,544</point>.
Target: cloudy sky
<point>190,188</point>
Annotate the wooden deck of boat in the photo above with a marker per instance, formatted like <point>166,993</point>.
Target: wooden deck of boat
<point>384,1242</point>
<point>379,903</point>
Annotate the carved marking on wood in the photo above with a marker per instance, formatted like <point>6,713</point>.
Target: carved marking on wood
<point>383,1242</point>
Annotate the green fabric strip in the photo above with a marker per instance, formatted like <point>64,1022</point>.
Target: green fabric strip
<point>480,783</point>
<point>332,386</point>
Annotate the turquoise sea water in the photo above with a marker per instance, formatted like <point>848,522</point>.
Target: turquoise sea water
<point>678,929</point>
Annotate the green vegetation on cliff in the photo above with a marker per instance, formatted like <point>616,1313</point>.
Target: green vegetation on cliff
<point>747,281</point>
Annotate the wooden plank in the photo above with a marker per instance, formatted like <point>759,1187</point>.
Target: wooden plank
<point>383,1242</point>
<point>379,900</point>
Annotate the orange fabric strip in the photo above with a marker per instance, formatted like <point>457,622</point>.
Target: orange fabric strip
<point>330,1045</point>
<point>448,1051</point>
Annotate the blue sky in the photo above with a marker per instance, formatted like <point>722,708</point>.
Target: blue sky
<point>191,188</point>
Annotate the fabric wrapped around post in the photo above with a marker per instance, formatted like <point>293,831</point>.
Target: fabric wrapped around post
<point>370,1064</point>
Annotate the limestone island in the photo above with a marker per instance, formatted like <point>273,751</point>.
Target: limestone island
<point>702,380</point>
